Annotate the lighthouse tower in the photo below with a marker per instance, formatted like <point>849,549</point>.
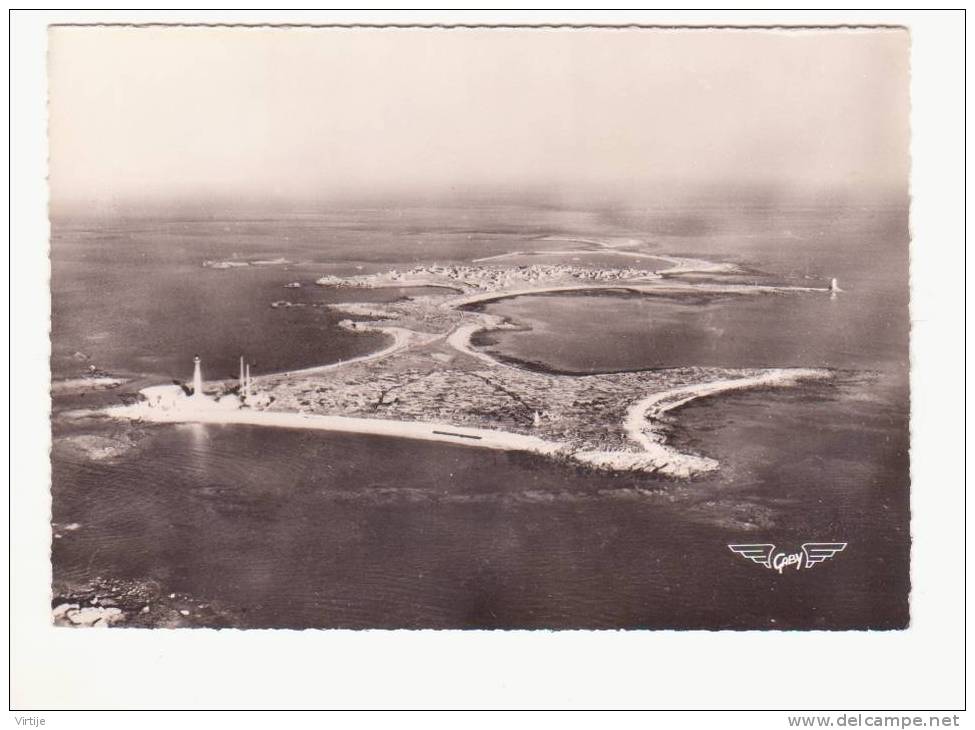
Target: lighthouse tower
<point>197,378</point>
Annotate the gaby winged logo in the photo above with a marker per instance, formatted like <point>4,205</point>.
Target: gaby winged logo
<point>812,554</point>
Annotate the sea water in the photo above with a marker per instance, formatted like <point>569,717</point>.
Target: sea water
<point>310,529</point>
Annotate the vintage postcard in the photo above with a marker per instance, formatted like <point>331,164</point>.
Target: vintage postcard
<point>482,328</point>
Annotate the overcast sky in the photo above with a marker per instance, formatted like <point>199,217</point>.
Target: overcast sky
<point>314,113</point>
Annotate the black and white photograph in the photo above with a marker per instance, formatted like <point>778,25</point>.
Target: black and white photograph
<point>489,328</point>
<point>483,329</point>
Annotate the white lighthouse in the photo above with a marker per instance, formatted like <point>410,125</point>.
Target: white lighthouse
<point>197,378</point>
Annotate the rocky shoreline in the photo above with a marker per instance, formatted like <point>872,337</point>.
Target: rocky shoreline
<point>114,602</point>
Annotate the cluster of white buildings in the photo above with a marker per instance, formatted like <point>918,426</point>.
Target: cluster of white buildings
<point>488,278</point>
<point>491,278</point>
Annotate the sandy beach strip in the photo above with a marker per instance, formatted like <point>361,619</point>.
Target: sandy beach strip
<point>642,425</point>
<point>643,418</point>
<point>602,252</point>
<point>650,288</point>
<point>402,338</point>
<point>678,264</point>
<point>460,340</point>
<point>423,431</point>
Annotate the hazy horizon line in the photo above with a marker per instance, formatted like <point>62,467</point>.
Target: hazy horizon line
<point>663,195</point>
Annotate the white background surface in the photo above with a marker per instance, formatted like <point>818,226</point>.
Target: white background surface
<point>916,670</point>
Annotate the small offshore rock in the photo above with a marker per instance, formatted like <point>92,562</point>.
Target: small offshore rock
<point>62,610</point>
<point>94,616</point>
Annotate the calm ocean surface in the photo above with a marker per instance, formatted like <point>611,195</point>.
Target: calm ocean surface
<point>297,529</point>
